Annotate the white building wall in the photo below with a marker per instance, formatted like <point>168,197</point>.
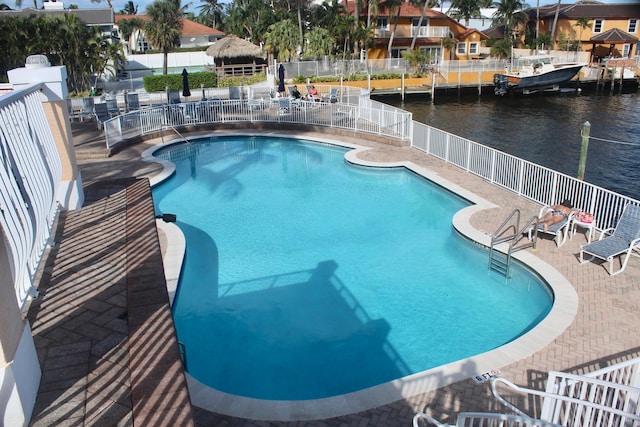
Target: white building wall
<point>177,60</point>
<point>20,381</point>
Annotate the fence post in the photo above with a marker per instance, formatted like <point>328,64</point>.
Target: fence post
<point>586,129</point>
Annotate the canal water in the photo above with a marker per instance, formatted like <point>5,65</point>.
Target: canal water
<point>546,129</point>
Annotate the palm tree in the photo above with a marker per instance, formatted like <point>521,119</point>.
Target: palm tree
<point>583,23</point>
<point>282,40</point>
<point>465,9</point>
<point>393,7</point>
<point>426,4</point>
<point>164,28</point>
<point>510,14</point>
<point>210,13</point>
<point>129,9</point>
<point>555,23</point>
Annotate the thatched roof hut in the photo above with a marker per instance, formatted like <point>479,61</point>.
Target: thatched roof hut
<point>234,50</point>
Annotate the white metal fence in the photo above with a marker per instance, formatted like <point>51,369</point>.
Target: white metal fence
<point>524,178</point>
<point>369,117</point>
<point>30,175</point>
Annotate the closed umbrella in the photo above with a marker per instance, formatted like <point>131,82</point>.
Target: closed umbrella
<point>185,83</point>
<point>281,79</point>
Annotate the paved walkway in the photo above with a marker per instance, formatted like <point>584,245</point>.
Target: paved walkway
<point>86,321</point>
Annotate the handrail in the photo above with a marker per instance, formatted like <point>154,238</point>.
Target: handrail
<point>178,133</point>
<point>567,399</point>
<point>532,223</point>
<point>499,231</point>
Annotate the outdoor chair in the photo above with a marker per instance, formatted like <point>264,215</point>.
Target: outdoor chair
<point>173,97</point>
<point>101,113</point>
<point>608,396</point>
<point>332,96</point>
<point>133,102</point>
<point>484,419</point>
<point>559,230</point>
<point>87,109</point>
<point>112,107</point>
<point>623,240</point>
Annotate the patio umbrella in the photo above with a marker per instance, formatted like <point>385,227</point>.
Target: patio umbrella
<point>281,78</point>
<point>185,83</point>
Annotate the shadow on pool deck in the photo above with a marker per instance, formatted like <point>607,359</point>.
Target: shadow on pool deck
<point>86,325</point>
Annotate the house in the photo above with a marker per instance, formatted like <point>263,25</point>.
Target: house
<point>193,35</point>
<point>439,35</point>
<point>102,18</point>
<point>618,23</point>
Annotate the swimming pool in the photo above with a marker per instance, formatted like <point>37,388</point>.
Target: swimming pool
<point>247,268</point>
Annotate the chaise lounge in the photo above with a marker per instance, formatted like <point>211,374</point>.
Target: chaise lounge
<point>624,240</point>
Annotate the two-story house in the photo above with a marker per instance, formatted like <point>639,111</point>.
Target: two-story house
<point>605,30</point>
<point>193,35</point>
<point>440,36</point>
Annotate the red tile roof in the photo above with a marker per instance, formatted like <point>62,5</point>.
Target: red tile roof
<point>189,28</point>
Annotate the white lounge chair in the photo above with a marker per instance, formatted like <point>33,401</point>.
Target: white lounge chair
<point>332,96</point>
<point>559,230</point>
<point>483,419</point>
<point>623,240</point>
<point>583,400</point>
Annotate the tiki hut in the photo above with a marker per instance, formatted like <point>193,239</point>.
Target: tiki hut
<point>235,56</point>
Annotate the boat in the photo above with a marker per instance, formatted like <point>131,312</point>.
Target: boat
<point>534,74</point>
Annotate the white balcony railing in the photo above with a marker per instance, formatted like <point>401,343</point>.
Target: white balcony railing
<point>30,176</point>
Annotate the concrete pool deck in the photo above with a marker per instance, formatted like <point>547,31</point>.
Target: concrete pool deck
<point>602,332</point>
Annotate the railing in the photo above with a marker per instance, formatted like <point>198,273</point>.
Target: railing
<point>372,117</point>
<point>524,178</point>
<point>30,175</point>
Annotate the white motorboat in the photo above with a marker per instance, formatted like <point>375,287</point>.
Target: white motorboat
<point>535,73</point>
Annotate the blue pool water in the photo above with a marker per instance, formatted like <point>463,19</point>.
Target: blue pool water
<point>307,277</point>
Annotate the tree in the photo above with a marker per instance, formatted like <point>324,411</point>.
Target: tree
<point>555,23</point>
<point>393,7</point>
<point>282,40</point>
<point>129,9</point>
<point>426,4</point>
<point>126,27</point>
<point>510,14</point>
<point>99,1</point>
<point>465,9</point>
<point>319,42</point>
<point>164,28</point>
<point>583,23</point>
<point>501,49</point>
<point>210,13</point>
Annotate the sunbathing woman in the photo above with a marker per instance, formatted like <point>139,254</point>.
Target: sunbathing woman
<point>556,214</point>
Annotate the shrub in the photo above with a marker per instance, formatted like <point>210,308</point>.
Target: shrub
<point>159,83</point>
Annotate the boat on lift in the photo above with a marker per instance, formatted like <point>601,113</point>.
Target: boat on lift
<point>534,74</point>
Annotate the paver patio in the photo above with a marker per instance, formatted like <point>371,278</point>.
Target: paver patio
<point>107,344</point>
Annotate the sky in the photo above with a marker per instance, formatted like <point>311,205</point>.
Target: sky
<point>142,4</point>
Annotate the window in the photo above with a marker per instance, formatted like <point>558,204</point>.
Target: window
<point>461,48</point>
<point>397,52</point>
<point>597,25</point>
<point>626,49</point>
<point>473,48</point>
<point>383,23</point>
<point>633,25</point>
<point>435,53</point>
<point>419,30</point>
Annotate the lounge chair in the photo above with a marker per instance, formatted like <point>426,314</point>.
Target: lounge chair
<point>87,109</point>
<point>284,106</point>
<point>101,113</point>
<point>112,107</point>
<point>485,419</point>
<point>559,230</point>
<point>332,96</point>
<point>133,102</point>
<point>173,97</point>
<point>624,240</point>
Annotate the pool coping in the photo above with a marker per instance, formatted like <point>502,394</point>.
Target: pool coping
<point>560,317</point>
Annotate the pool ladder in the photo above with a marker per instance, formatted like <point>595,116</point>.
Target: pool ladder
<point>510,231</point>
